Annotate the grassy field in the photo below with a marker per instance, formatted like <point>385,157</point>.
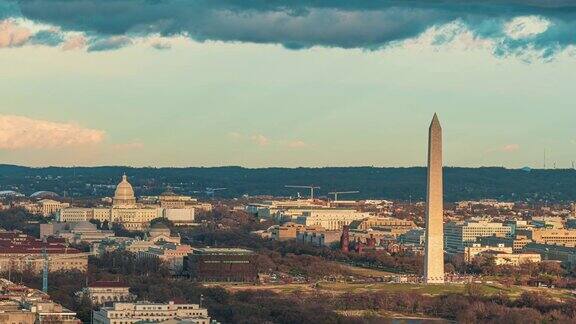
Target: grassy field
<point>364,272</point>
<point>419,288</point>
<point>343,287</point>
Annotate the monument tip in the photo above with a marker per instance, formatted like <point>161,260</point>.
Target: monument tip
<point>435,120</point>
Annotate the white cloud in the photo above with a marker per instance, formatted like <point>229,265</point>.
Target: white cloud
<point>452,36</point>
<point>12,34</point>
<point>74,43</point>
<point>510,148</point>
<point>17,132</point>
<point>526,27</point>
<point>297,144</point>
<point>136,145</point>
<point>260,140</point>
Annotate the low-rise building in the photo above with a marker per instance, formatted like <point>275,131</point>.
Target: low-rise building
<point>24,305</point>
<point>330,219</point>
<point>553,252</point>
<point>20,252</point>
<point>513,259</point>
<point>286,231</point>
<point>103,292</point>
<point>44,207</point>
<point>318,236</point>
<point>51,312</point>
<point>76,232</point>
<point>172,255</point>
<point>549,222</point>
<point>414,237</point>
<point>158,234</point>
<point>470,252</point>
<point>144,312</point>
<point>517,243</point>
<point>383,223</point>
<point>565,237</point>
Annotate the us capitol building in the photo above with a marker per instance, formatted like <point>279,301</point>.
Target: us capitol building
<point>126,211</point>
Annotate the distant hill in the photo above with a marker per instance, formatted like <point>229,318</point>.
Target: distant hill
<point>388,183</point>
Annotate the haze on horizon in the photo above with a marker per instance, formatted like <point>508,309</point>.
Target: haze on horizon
<point>289,84</point>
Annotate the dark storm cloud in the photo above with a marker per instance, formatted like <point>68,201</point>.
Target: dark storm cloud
<point>368,24</point>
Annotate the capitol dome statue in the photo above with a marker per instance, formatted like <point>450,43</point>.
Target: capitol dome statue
<point>124,195</point>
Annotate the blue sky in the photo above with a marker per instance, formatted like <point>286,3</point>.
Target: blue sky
<point>307,85</point>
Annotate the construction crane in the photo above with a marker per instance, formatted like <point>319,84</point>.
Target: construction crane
<point>45,270</point>
<point>336,193</point>
<point>45,260</point>
<point>305,187</point>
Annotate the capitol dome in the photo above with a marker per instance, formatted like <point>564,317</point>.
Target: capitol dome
<point>124,195</point>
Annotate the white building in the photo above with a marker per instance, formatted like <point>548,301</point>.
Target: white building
<point>102,292</point>
<point>135,216</point>
<point>458,235</point>
<point>143,312</point>
<point>75,232</point>
<point>179,216</point>
<point>124,210</point>
<point>330,219</point>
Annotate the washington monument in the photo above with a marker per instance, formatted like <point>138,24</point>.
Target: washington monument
<point>434,249</point>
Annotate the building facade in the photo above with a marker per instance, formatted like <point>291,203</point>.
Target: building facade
<point>102,292</point>
<point>330,219</point>
<point>458,235</point>
<point>20,252</point>
<point>143,312</point>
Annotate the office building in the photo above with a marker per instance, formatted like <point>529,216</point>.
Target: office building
<point>458,235</point>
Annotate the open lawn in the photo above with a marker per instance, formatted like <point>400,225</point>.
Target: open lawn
<point>420,288</point>
<point>364,272</point>
<point>343,287</point>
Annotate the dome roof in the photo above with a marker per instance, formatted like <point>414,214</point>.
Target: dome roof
<point>124,194</point>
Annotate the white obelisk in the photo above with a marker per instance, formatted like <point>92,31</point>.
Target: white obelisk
<point>434,249</point>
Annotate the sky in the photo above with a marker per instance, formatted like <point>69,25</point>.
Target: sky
<point>286,83</point>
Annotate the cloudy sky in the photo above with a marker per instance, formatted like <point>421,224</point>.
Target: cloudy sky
<point>286,82</point>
